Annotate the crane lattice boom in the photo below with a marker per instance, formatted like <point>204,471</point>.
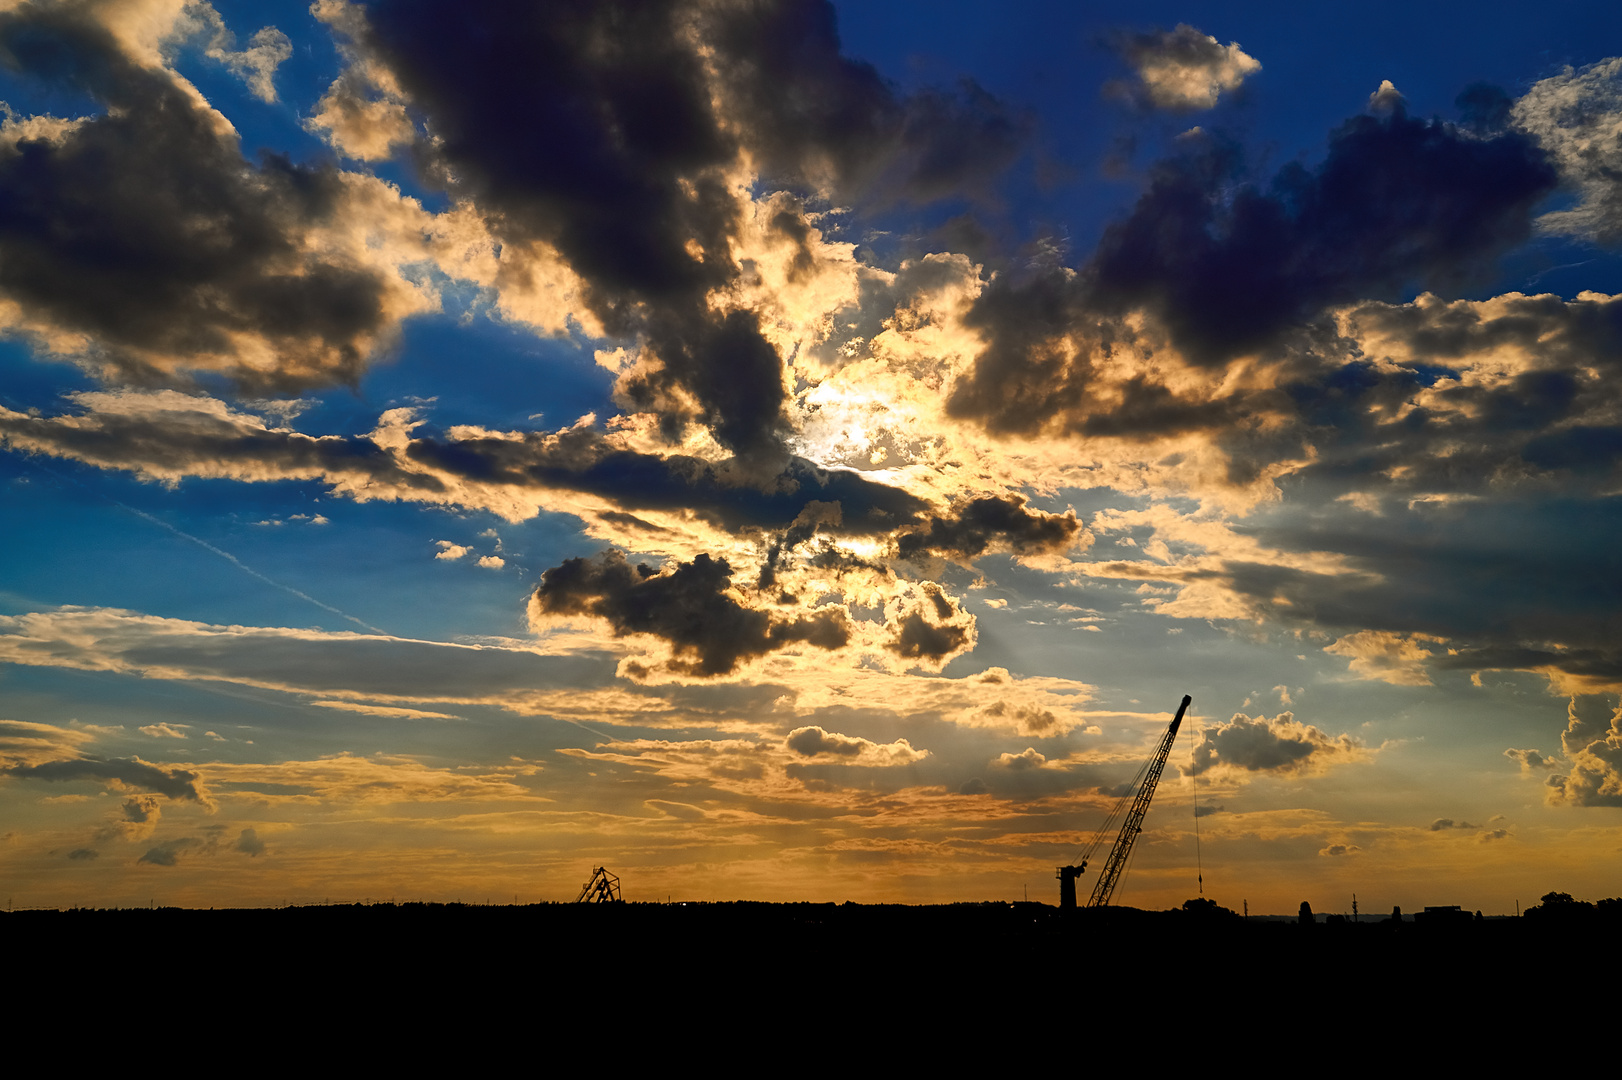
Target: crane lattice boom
<point>1111,876</point>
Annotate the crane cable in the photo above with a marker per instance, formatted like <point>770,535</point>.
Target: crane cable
<point>1194,775</point>
<point>1106,831</point>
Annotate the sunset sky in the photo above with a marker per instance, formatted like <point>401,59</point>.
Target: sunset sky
<point>803,451</point>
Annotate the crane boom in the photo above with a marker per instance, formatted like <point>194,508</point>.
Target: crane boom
<point>1105,888</point>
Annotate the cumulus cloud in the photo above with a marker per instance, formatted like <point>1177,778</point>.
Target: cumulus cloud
<point>690,606</point>
<point>1386,98</point>
<point>1333,850</point>
<point>1281,746</point>
<point>1593,746</point>
<point>990,523</point>
<point>814,742</point>
<point>1182,69</point>
<point>1531,759</point>
<point>645,215</point>
<point>1443,824</point>
<point>1027,758</point>
<point>141,243</point>
<point>927,628</point>
<point>249,844</point>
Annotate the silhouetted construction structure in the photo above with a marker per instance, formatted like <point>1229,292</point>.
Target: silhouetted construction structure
<point>603,888</point>
<point>1122,851</point>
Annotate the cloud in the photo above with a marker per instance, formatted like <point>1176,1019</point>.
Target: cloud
<point>927,628</point>
<point>249,844</point>
<point>1386,98</point>
<point>1182,69</point>
<point>690,606</point>
<point>1396,202</point>
<point>164,731</point>
<point>139,242</point>
<point>1340,849</point>
<point>135,819</point>
<point>1531,759</point>
<point>448,550</point>
<point>124,773</point>
<point>363,113</point>
<point>256,65</point>
<point>1281,746</point>
<point>1574,117</point>
<point>1387,657</point>
<point>851,750</point>
<point>1027,758</point>
<point>1443,824</point>
<point>645,214</point>
<point>1593,745</point>
<point>25,742</point>
<point>492,562</point>
<point>168,852</point>
<point>976,526</point>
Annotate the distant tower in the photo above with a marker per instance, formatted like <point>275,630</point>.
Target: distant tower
<point>1354,907</point>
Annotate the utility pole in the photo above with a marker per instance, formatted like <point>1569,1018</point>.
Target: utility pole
<point>1354,907</point>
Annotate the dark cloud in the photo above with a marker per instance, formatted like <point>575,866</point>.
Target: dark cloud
<point>124,772</point>
<point>1397,202</point>
<point>1442,824</point>
<point>931,642</point>
<point>606,130</point>
<point>1228,268</point>
<point>140,811</point>
<point>976,526</point>
<point>249,844</point>
<point>580,460</point>
<point>168,852</point>
<point>1499,580</point>
<point>687,605</point>
<point>810,741</point>
<point>180,436</point>
<point>803,528</point>
<point>144,228</point>
<point>84,854</point>
<point>1531,759</point>
<point>1280,745</point>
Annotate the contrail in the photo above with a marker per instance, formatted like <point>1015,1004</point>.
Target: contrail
<point>226,555</point>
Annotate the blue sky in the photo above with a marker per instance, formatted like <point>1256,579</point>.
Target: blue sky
<point>791,451</point>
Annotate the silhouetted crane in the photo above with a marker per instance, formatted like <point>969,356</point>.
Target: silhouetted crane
<point>1122,851</point>
<point>603,888</point>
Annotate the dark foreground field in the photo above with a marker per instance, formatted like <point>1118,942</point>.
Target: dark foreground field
<point>778,944</point>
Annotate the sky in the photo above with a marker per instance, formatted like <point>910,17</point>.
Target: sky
<point>783,450</point>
